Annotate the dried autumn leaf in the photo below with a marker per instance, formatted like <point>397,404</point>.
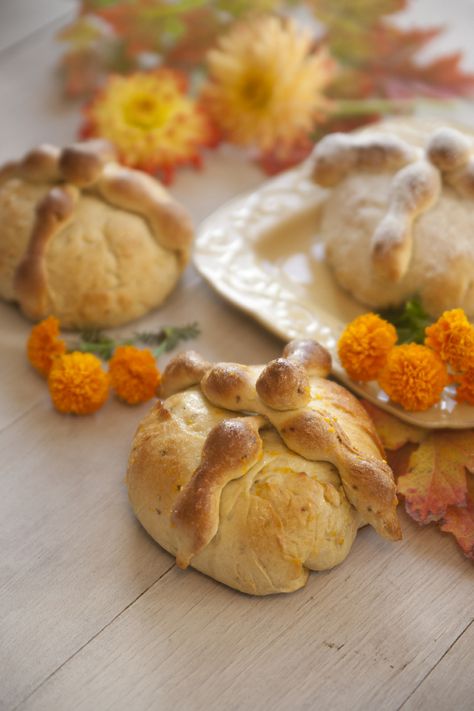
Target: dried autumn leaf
<point>380,59</point>
<point>397,72</point>
<point>393,432</point>
<point>459,520</point>
<point>433,472</point>
<point>274,162</point>
<point>201,28</point>
<point>436,476</point>
<point>399,459</point>
<point>135,23</point>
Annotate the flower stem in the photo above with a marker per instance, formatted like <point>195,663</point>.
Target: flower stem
<point>362,107</point>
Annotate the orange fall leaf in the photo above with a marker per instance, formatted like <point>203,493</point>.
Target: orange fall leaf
<point>436,476</point>
<point>434,472</point>
<point>393,432</point>
<point>459,520</point>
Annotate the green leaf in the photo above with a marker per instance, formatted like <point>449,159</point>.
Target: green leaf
<point>102,345</point>
<point>168,337</point>
<point>410,321</point>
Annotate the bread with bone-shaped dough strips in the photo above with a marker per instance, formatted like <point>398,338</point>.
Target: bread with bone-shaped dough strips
<point>85,239</point>
<point>398,217</point>
<point>255,475</point>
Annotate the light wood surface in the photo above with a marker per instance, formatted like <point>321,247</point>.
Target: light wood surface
<point>93,614</point>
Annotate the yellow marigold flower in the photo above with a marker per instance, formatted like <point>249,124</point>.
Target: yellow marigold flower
<point>265,83</point>
<point>78,384</point>
<point>452,337</point>
<point>134,374</point>
<point>414,377</point>
<point>364,346</point>
<point>150,119</point>
<point>44,345</point>
<point>465,387</point>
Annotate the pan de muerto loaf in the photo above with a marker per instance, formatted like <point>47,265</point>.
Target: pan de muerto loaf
<point>255,475</point>
<point>85,239</point>
<point>399,217</point>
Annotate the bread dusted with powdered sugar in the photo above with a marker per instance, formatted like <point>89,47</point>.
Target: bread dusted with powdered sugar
<point>399,216</point>
<point>255,475</point>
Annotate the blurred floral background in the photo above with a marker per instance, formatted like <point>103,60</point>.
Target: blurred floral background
<point>165,80</point>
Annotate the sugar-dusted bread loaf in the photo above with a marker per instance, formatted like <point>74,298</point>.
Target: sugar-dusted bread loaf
<point>399,216</point>
<point>256,475</point>
<point>85,239</point>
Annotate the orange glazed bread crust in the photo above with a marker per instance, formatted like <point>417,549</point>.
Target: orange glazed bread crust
<point>253,494</point>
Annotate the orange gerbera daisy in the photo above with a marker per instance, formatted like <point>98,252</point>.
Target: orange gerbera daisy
<point>78,384</point>
<point>414,376</point>
<point>44,345</point>
<point>364,346</point>
<point>265,83</point>
<point>134,374</point>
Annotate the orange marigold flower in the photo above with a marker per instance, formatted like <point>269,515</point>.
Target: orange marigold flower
<point>44,345</point>
<point>364,346</point>
<point>134,374</point>
<point>151,121</point>
<point>414,376</point>
<point>78,384</point>
<point>465,387</point>
<point>452,337</point>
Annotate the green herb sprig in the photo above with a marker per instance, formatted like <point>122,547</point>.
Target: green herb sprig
<point>165,339</point>
<point>410,321</point>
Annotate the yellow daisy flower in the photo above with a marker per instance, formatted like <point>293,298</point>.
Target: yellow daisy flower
<point>150,119</point>
<point>265,83</point>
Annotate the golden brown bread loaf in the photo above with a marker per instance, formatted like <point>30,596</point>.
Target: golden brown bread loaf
<point>399,217</point>
<point>85,239</point>
<point>256,475</point>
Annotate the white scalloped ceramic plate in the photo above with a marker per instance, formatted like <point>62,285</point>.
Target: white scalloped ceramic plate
<point>262,253</point>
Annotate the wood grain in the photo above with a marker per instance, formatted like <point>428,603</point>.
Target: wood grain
<point>451,683</point>
<point>93,614</point>
<point>357,637</point>
<point>20,18</point>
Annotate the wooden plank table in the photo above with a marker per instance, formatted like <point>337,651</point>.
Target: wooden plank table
<point>93,614</point>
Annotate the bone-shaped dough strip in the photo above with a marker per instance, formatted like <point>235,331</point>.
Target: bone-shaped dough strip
<point>137,192</point>
<point>231,448</point>
<point>314,433</point>
<point>183,371</point>
<point>448,149</point>
<point>52,214</point>
<point>39,165</point>
<point>414,189</point>
<point>284,384</point>
<point>339,154</point>
<point>82,163</point>
<point>451,152</point>
<point>315,359</point>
